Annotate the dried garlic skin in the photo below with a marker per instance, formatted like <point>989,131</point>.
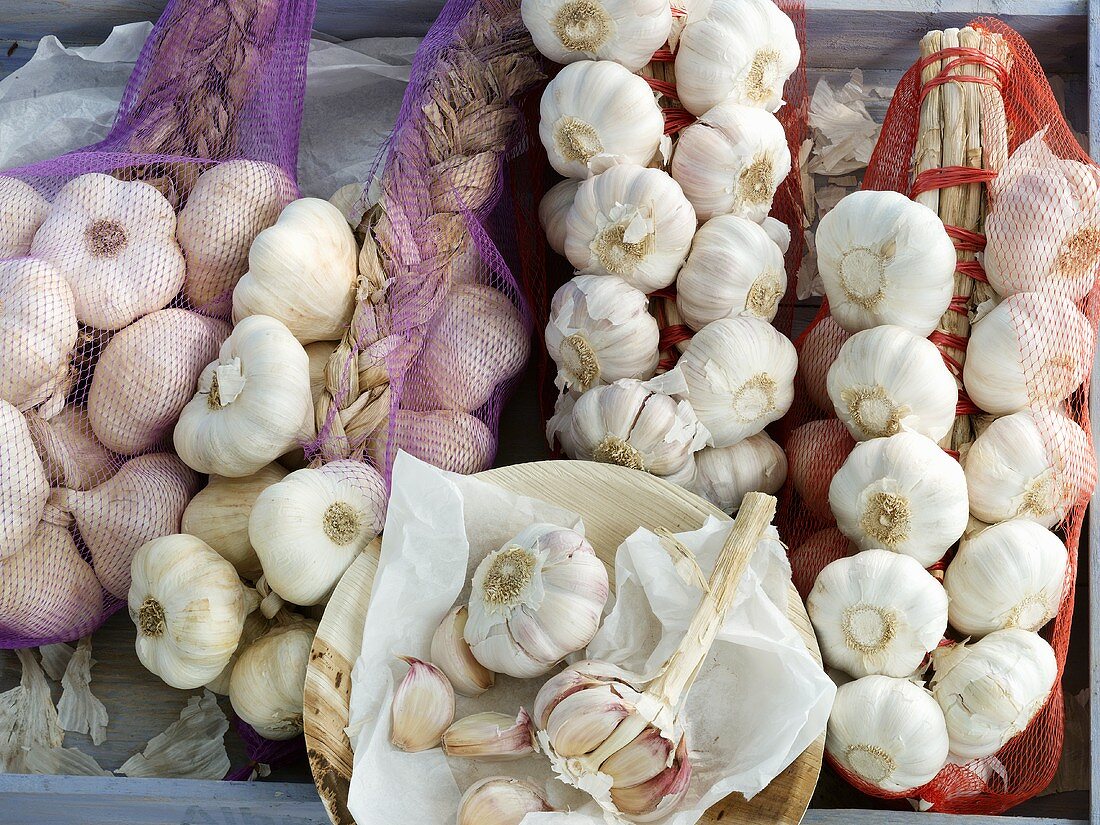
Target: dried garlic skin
<point>79,709</point>
<point>192,747</point>
<point>500,800</point>
<point>627,32</point>
<point>723,475</point>
<point>71,454</point>
<point>24,487</point>
<point>23,211</point>
<point>267,685</point>
<point>423,707</point>
<point>554,209</point>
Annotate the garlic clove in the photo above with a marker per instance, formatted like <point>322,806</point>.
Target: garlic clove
<point>24,210</point>
<point>451,654</point>
<point>423,707</point>
<point>581,722</point>
<point>491,737</point>
<point>643,759</point>
<point>567,682</point>
<point>500,800</point>
<point>657,797</point>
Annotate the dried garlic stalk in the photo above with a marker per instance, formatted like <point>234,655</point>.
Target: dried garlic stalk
<point>192,748</point>
<point>79,710</point>
<point>55,658</point>
<point>27,716</point>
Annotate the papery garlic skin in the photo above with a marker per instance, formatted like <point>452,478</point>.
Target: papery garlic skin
<point>451,653</point>
<point>723,475</point>
<point>818,348</point>
<point>500,800</point>
<point>889,732</point>
<point>632,222</point>
<point>1031,464</point>
<point>22,211</point>
<point>901,493</point>
<point>1009,575</point>
<point>535,600</point>
<point>1031,349</point>
<point>24,487</point>
<point>731,161</point>
<point>423,707</point>
<point>886,380</point>
<point>71,454</point>
<point>559,427</point>
<point>554,209</point>
<point>877,612</point>
<point>740,377</point>
<point>595,113</point>
<point>885,259</point>
<point>267,687</point>
<point>733,269</point>
<point>625,31</point>
<point>990,690</point>
<point>491,737</point>
<point>815,452</point>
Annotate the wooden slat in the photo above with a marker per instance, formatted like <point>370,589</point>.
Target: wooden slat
<point>851,817</point>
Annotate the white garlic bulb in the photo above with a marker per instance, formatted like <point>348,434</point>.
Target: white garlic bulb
<point>723,475</point>
<point>1031,464</point>
<point>600,331</point>
<point>888,732</point>
<point>779,232</point>
<point>1031,349</point>
<point>22,211</point>
<point>1009,575</point>
<point>451,653</point>
<point>308,528</point>
<point>24,487</point>
<point>595,113</point>
<point>815,452</point>
<point>500,800</point>
<point>256,624</point>
<point>70,452</point>
<point>559,427</point>
<point>632,222</point>
<point>901,493</point>
<point>731,161</point>
<point>877,612</point>
<point>885,259</point>
<point>886,380</point>
<point>742,50</point>
<point>990,690</point>
<point>535,600</point>
<point>733,269</point>
<point>740,377</point>
<point>423,707</point>
<point>554,209</point>
<point>267,687</point>
<point>625,31</point>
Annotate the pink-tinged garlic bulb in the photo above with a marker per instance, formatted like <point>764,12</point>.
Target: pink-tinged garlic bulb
<point>810,557</point>
<point>815,452</point>
<point>449,439</point>
<point>817,351</point>
<point>70,452</point>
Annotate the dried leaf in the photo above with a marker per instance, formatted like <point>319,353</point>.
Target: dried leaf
<point>55,658</point>
<point>844,131</point>
<point>79,710</point>
<point>27,716</point>
<point>192,748</point>
<point>829,196</point>
<point>62,762</point>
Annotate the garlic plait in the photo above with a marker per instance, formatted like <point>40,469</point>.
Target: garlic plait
<point>22,211</point>
<point>535,600</point>
<point>267,685</point>
<point>554,209</point>
<point>723,475</point>
<point>625,31</point>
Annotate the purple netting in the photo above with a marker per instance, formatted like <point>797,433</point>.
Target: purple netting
<point>270,752</point>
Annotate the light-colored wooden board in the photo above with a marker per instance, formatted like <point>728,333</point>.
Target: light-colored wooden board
<point>614,502</point>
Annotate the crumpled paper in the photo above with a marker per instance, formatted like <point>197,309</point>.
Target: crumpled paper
<point>761,698</point>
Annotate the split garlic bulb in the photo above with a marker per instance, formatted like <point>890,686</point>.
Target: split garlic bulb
<point>1009,575</point>
<point>500,800</point>
<point>901,493</point>
<point>888,732</point>
<point>990,690</point>
<point>731,161</point>
<point>70,452</point>
<point>625,31</point>
<point>740,377</point>
<point>1030,349</point>
<point>886,380</point>
<point>877,612</point>
<point>554,209</point>
<point>740,50</point>
<point>451,653</point>
<point>308,528</point>
<point>37,330</point>
<point>252,404</point>
<point>535,600</point>
<point>815,452</point>
<point>595,113</point>
<point>885,259</point>
<point>723,475</point>
<point>600,331</point>
<point>733,269</point>
<point>22,211</point>
<point>115,243</point>
<point>302,271</point>
<point>189,609</point>
<point>24,487</point>
<point>447,439</point>
<point>632,222</point>
<point>267,688</point>
<point>818,348</point>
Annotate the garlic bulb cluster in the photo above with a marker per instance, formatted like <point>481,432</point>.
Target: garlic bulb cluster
<point>554,209</point>
<point>724,475</point>
<point>267,686</point>
<point>627,32</point>
<point>22,211</point>
<point>500,800</point>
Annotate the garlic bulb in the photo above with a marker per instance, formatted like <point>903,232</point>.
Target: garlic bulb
<point>625,31</point>
<point>740,50</point>
<point>37,330</point>
<point>451,653</point>
<point>1031,349</point>
<point>901,493</point>
<point>189,609</point>
<point>500,800</point>
<point>252,404</point>
<point>990,690</point>
<point>146,375</point>
<point>886,380</point>
<point>888,732</point>
<point>731,161</point>
<point>423,707</point>
<point>597,112</point>
<point>308,528</point>
<point>1031,464</point>
<point>632,222</point>
<point>1009,575</point>
<point>22,211</point>
<point>877,612</point>
<point>24,487</point>
<point>554,209</point>
<point>885,259</point>
<point>256,624</point>
<point>599,331</point>
<point>815,452</point>
<point>114,241</point>
<point>491,737</point>
<point>818,348</point>
<point>302,271</point>
<point>723,475</point>
<point>448,439</point>
<point>779,232</point>
<point>740,377</point>
<point>70,452</point>
<point>267,687</point>
<point>535,600</point>
<point>631,425</point>
<point>219,513</point>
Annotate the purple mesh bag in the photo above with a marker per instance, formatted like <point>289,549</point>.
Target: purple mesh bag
<point>116,265</point>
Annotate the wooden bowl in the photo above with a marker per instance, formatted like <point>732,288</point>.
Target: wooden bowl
<point>614,502</point>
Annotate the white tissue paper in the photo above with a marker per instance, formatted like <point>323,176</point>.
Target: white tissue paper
<point>759,701</point>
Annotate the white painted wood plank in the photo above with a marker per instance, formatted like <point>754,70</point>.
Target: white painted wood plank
<point>820,816</point>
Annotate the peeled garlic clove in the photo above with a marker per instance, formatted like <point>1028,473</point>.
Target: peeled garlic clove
<point>423,707</point>
<point>448,439</point>
<point>23,211</point>
<point>491,737</point>
<point>723,475</point>
<point>818,348</point>
<point>500,800</point>
<point>451,653</point>
<point>625,31</point>
<point>597,109</point>
<point>255,626</point>
<point>267,686</point>
<point>70,452</point>
<point>815,452</point>
<point>886,380</point>
<point>24,487</point>
<point>656,797</point>
<point>889,733</point>
<point>632,222</point>
<point>553,210</point>
<point>810,557</point>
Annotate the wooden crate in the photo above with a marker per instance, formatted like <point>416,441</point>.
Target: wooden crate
<point>878,36</point>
